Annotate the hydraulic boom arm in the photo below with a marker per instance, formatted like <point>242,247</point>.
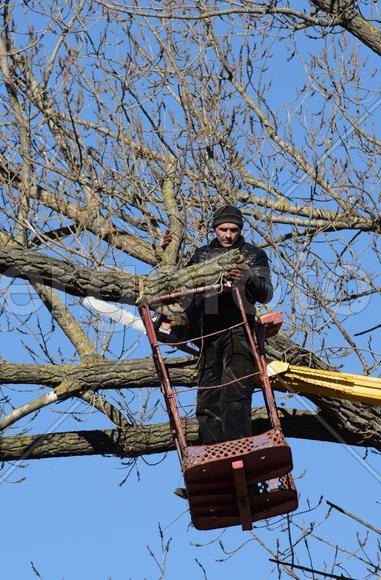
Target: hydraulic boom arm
<point>286,377</point>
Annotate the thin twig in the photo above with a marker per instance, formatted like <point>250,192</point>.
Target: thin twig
<point>354,517</point>
<point>306,569</point>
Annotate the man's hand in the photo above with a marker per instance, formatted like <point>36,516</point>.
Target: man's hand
<point>237,274</point>
<point>166,240</point>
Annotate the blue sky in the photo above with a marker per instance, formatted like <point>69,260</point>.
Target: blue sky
<point>73,520</point>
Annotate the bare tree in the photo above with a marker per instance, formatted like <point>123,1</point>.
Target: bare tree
<point>118,122</point>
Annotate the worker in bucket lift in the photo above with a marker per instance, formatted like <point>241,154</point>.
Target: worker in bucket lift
<point>224,413</point>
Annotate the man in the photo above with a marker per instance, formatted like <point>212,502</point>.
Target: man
<point>224,413</point>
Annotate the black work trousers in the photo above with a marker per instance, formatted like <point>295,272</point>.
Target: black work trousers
<point>224,413</point>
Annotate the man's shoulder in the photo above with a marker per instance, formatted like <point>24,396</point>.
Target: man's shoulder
<point>252,251</point>
<point>246,246</point>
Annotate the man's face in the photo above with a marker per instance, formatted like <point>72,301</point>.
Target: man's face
<point>227,234</point>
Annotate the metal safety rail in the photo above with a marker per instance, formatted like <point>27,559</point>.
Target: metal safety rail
<point>234,482</point>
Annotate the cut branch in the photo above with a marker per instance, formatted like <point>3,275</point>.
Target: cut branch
<point>110,285</point>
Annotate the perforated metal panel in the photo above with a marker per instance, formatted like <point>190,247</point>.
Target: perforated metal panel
<point>199,454</point>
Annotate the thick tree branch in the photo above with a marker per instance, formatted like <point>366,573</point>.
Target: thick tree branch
<point>176,223</point>
<point>108,285</point>
<point>134,441</point>
<point>352,21</point>
<point>362,422</point>
<point>84,379</point>
<point>110,374</point>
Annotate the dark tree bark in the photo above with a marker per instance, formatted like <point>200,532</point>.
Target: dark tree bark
<point>351,20</point>
<point>20,262</point>
<point>336,421</point>
<point>135,441</point>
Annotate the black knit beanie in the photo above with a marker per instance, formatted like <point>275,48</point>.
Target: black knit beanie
<point>228,214</point>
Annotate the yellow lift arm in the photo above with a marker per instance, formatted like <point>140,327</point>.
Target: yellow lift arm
<point>286,377</point>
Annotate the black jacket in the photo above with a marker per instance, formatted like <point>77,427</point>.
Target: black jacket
<point>256,280</point>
